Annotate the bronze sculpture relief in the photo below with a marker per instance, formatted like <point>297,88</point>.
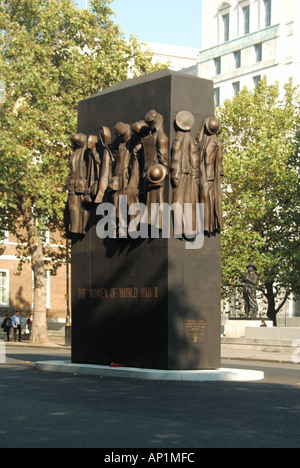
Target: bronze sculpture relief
<point>118,183</point>
<point>133,187</point>
<point>197,171</point>
<point>136,165</point>
<point>211,173</point>
<point>155,163</point>
<point>107,160</point>
<point>77,185</point>
<point>185,172</point>
<point>93,160</point>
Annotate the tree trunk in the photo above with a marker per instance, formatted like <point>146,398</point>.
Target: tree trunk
<point>39,333</point>
<point>272,313</point>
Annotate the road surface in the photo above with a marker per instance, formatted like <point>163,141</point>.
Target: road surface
<point>44,410</point>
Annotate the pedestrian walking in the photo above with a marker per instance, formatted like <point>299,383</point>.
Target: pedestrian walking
<point>6,325</point>
<point>29,327</point>
<point>17,325</point>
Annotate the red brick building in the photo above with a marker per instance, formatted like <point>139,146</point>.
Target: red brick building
<point>16,288</point>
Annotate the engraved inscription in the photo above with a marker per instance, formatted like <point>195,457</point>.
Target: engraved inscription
<point>119,293</point>
<point>195,331</point>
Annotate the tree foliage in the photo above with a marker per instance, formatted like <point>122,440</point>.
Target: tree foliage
<point>261,191</point>
<point>52,55</point>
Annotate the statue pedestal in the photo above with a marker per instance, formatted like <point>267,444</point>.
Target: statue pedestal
<point>147,303</point>
<point>236,328</point>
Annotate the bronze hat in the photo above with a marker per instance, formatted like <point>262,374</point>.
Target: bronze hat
<point>78,139</point>
<point>213,126</point>
<point>105,135</point>
<point>157,174</point>
<point>152,117</point>
<point>185,120</point>
<point>140,127</point>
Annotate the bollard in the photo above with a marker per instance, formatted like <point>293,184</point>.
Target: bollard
<point>2,352</point>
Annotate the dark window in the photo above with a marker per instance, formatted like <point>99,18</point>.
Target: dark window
<point>246,12</point>
<point>218,65</point>
<point>226,27</point>
<point>236,88</point>
<point>217,97</point>
<point>258,52</point>
<point>238,59</point>
<point>268,12</point>
<point>256,80</point>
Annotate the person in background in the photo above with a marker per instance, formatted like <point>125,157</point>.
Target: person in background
<point>17,325</point>
<point>6,325</point>
<point>29,326</point>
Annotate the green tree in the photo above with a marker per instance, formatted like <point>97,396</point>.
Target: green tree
<point>52,55</point>
<point>261,191</point>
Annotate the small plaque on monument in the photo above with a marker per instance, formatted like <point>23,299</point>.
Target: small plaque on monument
<point>195,331</point>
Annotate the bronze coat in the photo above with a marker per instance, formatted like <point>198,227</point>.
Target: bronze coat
<point>185,175</point>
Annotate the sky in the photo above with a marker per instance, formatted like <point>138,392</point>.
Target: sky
<point>172,22</point>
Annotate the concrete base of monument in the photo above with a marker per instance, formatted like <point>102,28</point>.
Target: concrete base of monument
<point>219,375</point>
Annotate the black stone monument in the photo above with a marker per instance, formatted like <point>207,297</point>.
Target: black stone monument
<point>147,303</point>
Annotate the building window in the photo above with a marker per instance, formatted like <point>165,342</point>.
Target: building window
<point>4,237</point>
<point>256,80</point>
<point>236,88</point>
<point>258,53</point>
<point>246,12</point>
<point>226,21</point>
<point>4,288</point>
<point>238,59</point>
<point>217,97</point>
<point>218,65</point>
<point>268,12</point>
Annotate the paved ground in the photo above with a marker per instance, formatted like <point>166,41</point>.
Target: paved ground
<point>261,353</point>
<point>238,351</point>
<point>52,410</point>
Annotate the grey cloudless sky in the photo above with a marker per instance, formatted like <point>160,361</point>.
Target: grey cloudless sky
<point>172,22</point>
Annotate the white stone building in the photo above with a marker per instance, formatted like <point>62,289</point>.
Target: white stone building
<point>178,57</point>
<point>243,40</point>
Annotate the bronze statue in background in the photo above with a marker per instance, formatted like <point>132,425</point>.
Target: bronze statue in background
<point>249,293</point>
<point>78,214</point>
<point>185,172</point>
<point>211,173</point>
